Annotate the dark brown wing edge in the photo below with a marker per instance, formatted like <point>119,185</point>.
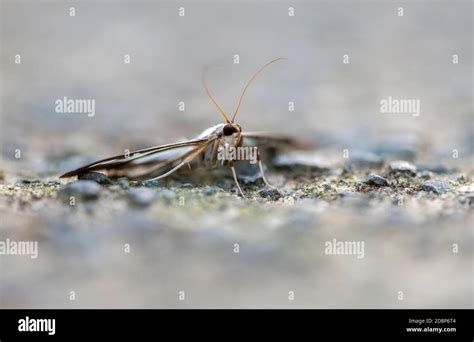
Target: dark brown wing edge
<point>279,140</point>
<point>121,159</point>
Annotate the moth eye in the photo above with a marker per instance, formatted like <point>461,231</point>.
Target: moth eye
<point>229,130</point>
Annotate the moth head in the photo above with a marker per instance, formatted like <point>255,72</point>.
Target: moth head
<point>231,129</point>
<point>231,134</point>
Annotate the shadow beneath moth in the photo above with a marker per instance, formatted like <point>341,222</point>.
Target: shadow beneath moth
<point>220,145</point>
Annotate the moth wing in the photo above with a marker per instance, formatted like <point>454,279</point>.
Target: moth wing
<point>142,162</point>
<point>271,141</point>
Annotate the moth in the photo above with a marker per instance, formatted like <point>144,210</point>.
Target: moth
<point>206,149</point>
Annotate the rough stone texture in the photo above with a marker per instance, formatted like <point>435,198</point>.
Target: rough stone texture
<point>97,177</point>
<point>437,186</point>
<point>271,194</point>
<point>377,180</point>
<point>403,166</point>
<point>141,197</point>
<point>84,189</point>
<point>186,228</point>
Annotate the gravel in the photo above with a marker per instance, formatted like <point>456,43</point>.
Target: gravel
<point>97,177</point>
<point>402,166</point>
<point>83,189</point>
<point>271,194</point>
<point>375,179</point>
<point>141,197</point>
<point>436,186</point>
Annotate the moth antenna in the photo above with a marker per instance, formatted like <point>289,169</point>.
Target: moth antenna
<point>219,108</point>
<point>250,81</point>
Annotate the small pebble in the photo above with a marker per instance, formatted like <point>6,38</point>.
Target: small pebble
<point>123,183</point>
<point>377,180</point>
<point>272,194</point>
<point>114,187</point>
<point>97,177</point>
<point>30,181</point>
<point>167,194</point>
<point>210,190</point>
<point>425,174</point>
<point>151,183</point>
<point>84,189</point>
<point>403,166</point>
<point>327,187</point>
<point>141,197</point>
<point>436,186</point>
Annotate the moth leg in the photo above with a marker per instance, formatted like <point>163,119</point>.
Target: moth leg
<point>236,180</point>
<point>262,173</point>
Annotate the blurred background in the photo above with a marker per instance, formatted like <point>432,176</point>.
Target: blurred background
<point>137,105</point>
